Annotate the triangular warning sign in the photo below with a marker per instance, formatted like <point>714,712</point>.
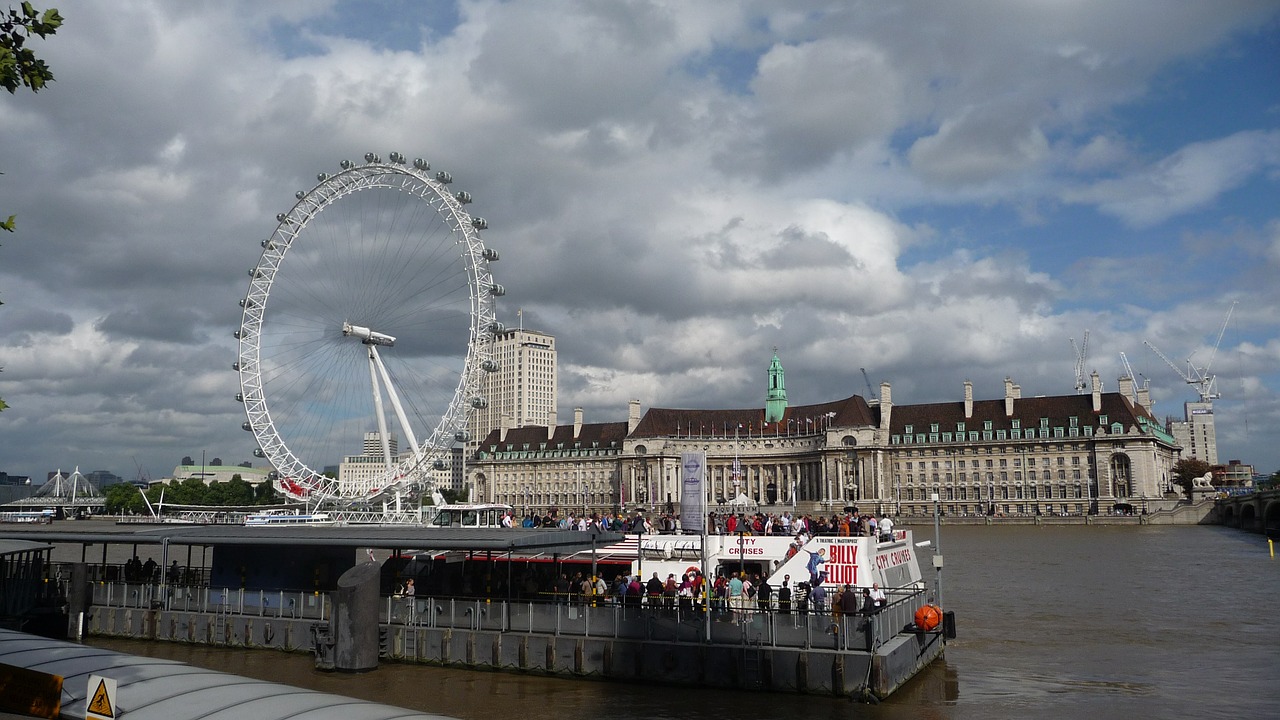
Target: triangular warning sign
<point>100,704</point>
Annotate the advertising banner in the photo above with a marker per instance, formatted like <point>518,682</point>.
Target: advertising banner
<point>693,512</point>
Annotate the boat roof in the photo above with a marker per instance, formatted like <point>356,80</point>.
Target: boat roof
<point>156,689</point>
<point>354,536</point>
<point>15,547</point>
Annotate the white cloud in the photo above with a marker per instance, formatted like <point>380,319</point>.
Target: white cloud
<point>674,189</point>
<point>1193,177</point>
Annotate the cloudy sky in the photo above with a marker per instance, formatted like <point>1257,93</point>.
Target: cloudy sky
<point>936,192</point>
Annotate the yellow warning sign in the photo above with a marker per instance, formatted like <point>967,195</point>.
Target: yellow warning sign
<point>102,699</point>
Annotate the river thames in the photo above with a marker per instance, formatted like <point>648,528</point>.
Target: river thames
<point>1053,621</point>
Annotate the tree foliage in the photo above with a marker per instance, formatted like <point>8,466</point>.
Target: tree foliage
<point>125,497</point>
<point>1187,470</point>
<point>19,66</point>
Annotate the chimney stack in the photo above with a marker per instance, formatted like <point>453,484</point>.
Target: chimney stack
<point>1144,397</point>
<point>1126,387</point>
<point>1008,397</point>
<point>1097,391</point>
<point>633,415</point>
<point>577,422</point>
<point>886,406</point>
<point>968,399</point>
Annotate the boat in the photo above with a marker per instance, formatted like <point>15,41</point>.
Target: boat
<point>856,561</point>
<point>469,515</point>
<point>859,562</point>
<point>28,516</point>
<point>287,518</point>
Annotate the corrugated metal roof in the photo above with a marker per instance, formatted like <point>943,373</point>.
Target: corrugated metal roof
<point>154,689</point>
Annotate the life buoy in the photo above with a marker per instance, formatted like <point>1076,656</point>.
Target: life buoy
<point>928,617</point>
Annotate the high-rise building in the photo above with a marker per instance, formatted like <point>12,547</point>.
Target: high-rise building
<point>1196,434</point>
<point>522,391</point>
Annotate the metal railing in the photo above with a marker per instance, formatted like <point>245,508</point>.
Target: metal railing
<point>590,617</point>
<point>218,601</point>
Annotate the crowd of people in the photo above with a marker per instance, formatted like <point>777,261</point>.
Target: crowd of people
<point>849,523</point>
<point>732,596</point>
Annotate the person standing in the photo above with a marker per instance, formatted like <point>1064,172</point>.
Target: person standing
<point>818,599</point>
<point>784,596</point>
<point>878,597</point>
<point>764,594</point>
<point>410,593</point>
<point>886,528</point>
<point>735,598</point>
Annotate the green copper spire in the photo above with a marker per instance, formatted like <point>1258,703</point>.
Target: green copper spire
<point>775,404</point>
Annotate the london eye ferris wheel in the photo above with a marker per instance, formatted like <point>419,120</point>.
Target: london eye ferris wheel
<point>372,306</point>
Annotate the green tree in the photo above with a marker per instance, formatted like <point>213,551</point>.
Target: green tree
<point>19,66</point>
<point>264,493</point>
<point>1187,470</point>
<point>124,497</point>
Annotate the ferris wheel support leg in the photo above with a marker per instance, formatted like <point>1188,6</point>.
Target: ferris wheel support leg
<point>405,427</point>
<point>378,409</point>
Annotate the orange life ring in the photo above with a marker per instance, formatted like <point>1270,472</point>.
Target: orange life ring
<point>928,617</point>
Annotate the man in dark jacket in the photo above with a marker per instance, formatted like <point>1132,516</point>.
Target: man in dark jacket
<point>654,590</point>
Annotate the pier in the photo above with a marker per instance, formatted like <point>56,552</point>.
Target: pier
<point>273,589</point>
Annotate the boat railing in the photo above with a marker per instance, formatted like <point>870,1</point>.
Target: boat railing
<point>582,617</point>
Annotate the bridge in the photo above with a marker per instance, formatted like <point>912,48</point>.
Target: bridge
<point>1256,512</point>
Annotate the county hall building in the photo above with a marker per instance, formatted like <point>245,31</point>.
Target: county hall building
<point>1072,454</point>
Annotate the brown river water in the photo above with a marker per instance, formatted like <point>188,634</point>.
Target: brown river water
<point>1053,622</point>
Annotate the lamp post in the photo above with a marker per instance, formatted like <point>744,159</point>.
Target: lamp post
<point>737,465</point>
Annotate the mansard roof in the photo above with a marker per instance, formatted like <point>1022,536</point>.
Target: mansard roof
<point>591,436</point>
<point>1028,411</point>
<point>669,422</point>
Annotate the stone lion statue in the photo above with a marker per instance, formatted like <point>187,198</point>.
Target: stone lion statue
<point>1203,482</point>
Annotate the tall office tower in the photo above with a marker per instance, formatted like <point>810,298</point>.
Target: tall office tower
<point>1196,434</point>
<point>373,444</point>
<point>370,463</point>
<point>523,389</point>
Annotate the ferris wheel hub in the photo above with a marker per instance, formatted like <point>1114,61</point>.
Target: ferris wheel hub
<point>367,336</point>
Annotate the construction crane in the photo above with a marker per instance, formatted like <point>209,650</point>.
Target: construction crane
<point>871,394</point>
<point>1128,371</point>
<point>1204,382</point>
<point>1081,353</point>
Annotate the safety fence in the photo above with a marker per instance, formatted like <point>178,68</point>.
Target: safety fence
<point>589,617</point>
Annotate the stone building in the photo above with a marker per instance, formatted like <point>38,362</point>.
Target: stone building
<point>1074,454</point>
